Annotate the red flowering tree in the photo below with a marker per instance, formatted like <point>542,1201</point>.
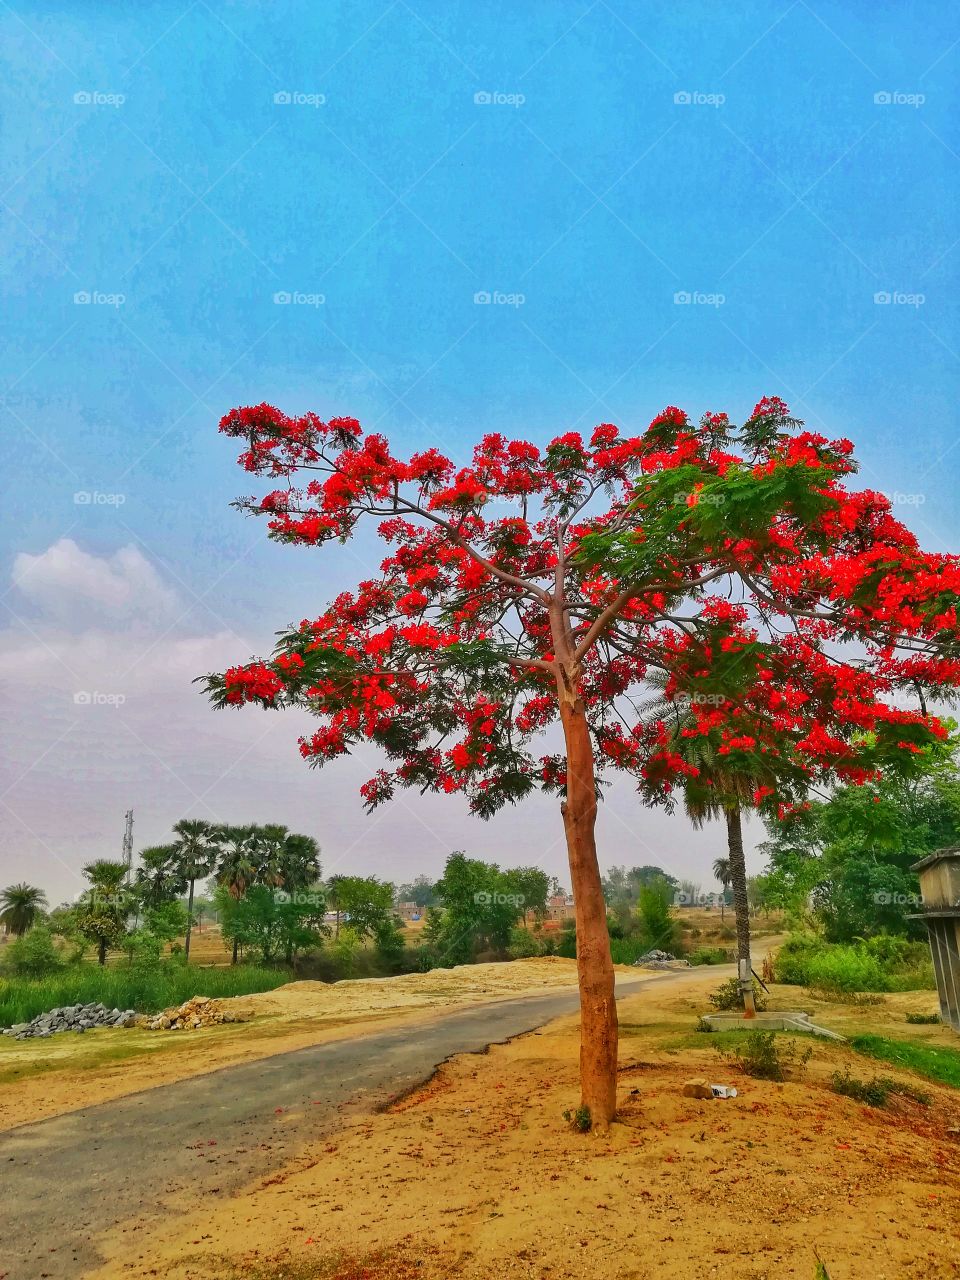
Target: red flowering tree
<point>536,586</point>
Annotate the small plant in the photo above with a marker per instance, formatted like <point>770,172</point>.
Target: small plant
<point>764,1058</point>
<point>708,955</point>
<point>703,1025</point>
<point>821,1272</point>
<point>580,1119</point>
<point>727,996</point>
<point>876,1091</point>
<point>923,1019</point>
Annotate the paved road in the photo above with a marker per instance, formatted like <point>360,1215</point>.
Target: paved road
<point>66,1181</point>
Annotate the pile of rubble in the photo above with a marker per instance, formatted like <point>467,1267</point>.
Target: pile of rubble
<point>200,1011</point>
<point>660,960</point>
<point>73,1017</point>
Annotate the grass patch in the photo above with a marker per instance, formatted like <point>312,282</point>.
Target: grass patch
<point>709,955</point>
<point>124,988</point>
<point>879,964</point>
<point>941,1065</point>
<point>923,1019</point>
<point>876,1091</point>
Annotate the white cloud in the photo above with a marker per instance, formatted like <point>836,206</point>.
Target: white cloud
<point>69,585</point>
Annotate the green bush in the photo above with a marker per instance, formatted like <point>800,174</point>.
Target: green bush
<point>709,955</point>
<point>761,1055</point>
<point>523,944</point>
<point>876,1091</point>
<point>879,964</point>
<point>34,955</point>
<point>727,996</point>
<point>923,1019</point>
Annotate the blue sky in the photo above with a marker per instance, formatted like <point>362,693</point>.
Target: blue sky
<point>779,167</point>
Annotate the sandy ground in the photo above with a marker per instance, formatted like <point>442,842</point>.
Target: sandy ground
<point>477,1176</point>
<point>41,1078</point>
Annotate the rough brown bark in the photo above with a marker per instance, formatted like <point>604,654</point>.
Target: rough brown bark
<point>741,904</point>
<point>598,1006</point>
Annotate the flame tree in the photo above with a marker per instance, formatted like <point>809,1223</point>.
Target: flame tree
<point>541,585</point>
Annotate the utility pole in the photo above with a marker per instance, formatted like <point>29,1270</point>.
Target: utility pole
<point>128,843</point>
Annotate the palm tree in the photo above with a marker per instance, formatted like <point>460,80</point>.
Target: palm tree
<point>20,904</point>
<point>158,879</point>
<point>721,872</point>
<point>718,790</point>
<point>195,856</point>
<point>102,911</point>
<point>236,868</point>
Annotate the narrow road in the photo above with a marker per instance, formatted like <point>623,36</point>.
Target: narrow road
<point>66,1181</point>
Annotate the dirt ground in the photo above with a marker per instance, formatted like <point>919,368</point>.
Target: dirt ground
<point>476,1175</point>
<point>42,1078</point>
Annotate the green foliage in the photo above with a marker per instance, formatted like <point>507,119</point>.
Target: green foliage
<point>523,944</point>
<point>940,1064</point>
<point>481,904</point>
<point>422,891</point>
<point>622,887</point>
<point>653,913</point>
<point>880,963</point>
<point>33,955</point>
<point>365,901</point>
<point>727,997</point>
<point>761,1055</point>
<point>580,1119</point>
<point>708,955</point>
<point>876,1091</point>
<point>272,923</point>
<point>923,1019</point>
<point>851,855</point>
<point>126,987</point>
<point>21,906</point>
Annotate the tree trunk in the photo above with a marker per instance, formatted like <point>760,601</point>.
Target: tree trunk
<point>186,941</point>
<point>236,947</point>
<point>598,1006</point>
<point>102,951</point>
<point>741,905</point>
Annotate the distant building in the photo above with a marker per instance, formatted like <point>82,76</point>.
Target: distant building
<point>560,906</point>
<point>408,911</point>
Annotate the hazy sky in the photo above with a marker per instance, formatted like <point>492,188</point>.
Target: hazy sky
<point>211,204</point>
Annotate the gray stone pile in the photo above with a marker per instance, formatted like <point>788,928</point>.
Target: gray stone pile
<point>72,1017</point>
<point>657,959</point>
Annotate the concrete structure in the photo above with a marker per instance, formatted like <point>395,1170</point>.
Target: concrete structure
<point>940,893</point>
<point>791,1021</point>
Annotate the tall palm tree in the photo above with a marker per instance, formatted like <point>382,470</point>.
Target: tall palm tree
<point>236,868</point>
<point>103,908</point>
<point>719,790</point>
<point>20,904</point>
<point>721,872</point>
<point>158,879</point>
<point>196,847</point>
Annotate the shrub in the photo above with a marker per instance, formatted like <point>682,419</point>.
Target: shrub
<point>523,944</point>
<point>581,1120</point>
<point>879,964</point>
<point>34,955</point>
<point>876,1091</point>
<point>923,1019</point>
<point>708,955</point>
<point>763,1057</point>
<point>727,996</point>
